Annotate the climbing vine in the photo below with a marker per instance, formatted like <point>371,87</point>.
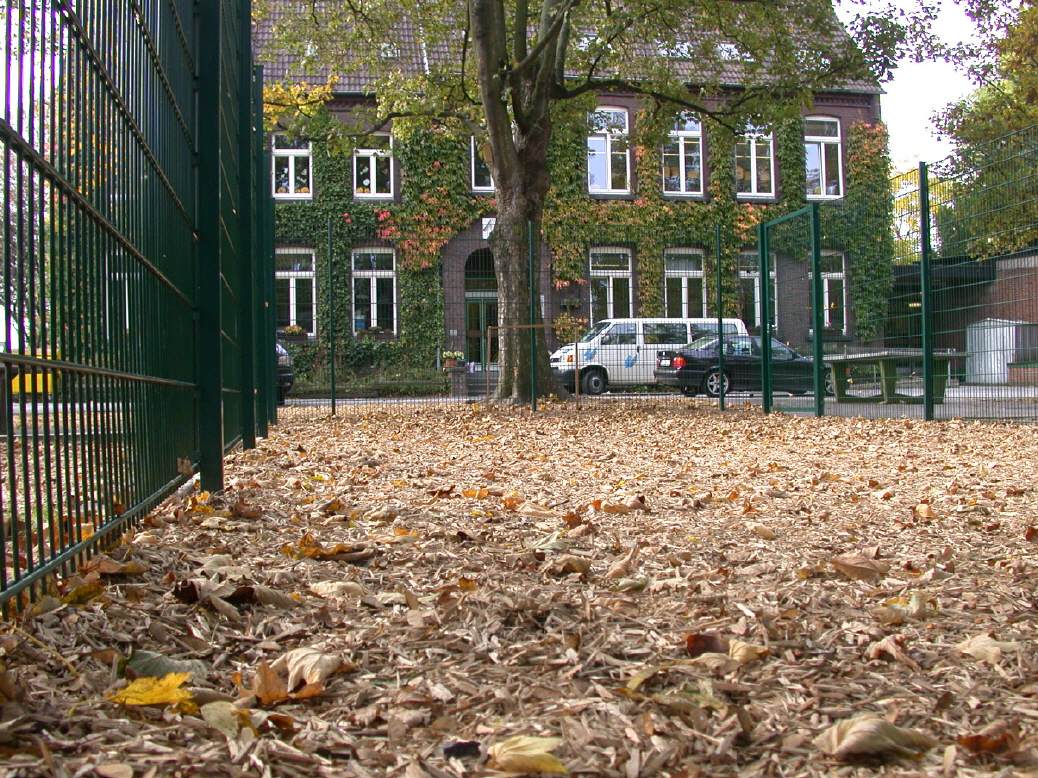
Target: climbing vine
<point>435,203</point>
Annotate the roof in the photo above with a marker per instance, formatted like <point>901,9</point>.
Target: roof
<point>412,58</point>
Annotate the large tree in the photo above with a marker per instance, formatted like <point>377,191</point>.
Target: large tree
<point>501,66</point>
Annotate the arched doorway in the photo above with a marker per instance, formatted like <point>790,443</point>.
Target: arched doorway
<point>480,306</point>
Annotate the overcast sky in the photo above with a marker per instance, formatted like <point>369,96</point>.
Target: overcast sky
<point>920,89</point>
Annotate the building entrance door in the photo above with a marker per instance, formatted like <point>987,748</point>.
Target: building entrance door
<point>480,307</point>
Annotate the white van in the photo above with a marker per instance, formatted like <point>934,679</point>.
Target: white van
<point>622,352</point>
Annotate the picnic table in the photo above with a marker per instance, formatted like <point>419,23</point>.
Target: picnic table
<point>887,360</point>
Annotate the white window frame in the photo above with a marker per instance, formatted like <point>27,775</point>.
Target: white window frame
<point>295,277</point>
<point>754,135</point>
<point>755,275</point>
<point>684,275</point>
<point>821,141</point>
<point>294,156</point>
<point>608,136</point>
<point>370,277</point>
<point>611,274</point>
<point>372,155</point>
<point>683,138</point>
<point>472,169</point>
<point>827,277</point>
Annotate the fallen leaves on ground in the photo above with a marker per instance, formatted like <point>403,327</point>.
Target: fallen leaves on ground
<point>526,754</point>
<point>403,591</point>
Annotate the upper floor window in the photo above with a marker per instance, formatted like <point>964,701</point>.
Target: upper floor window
<point>374,289</point>
<point>823,157</point>
<point>292,171</point>
<point>611,283</point>
<point>755,164</point>
<point>373,167</point>
<point>683,157</point>
<point>684,290</point>
<point>295,289</point>
<point>608,154</point>
<point>482,178</point>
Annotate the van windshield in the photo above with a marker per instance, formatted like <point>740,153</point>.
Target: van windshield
<point>595,331</point>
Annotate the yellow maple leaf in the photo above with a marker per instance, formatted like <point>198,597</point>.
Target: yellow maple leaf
<point>155,691</point>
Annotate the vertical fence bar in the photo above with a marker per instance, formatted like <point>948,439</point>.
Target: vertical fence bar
<point>246,204</point>
<point>765,318</point>
<point>720,313</point>
<point>210,352</point>
<point>262,347</point>
<point>530,236</point>
<point>925,279</point>
<point>817,320</point>
<point>331,311</point>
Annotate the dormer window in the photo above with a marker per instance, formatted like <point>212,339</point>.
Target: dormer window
<point>608,152</point>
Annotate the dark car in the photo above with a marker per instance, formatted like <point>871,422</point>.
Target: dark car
<point>696,368</point>
<point>286,372</point>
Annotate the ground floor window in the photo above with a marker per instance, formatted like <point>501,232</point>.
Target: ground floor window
<point>374,290</point>
<point>684,290</point>
<point>834,292</point>
<point>750,290</point>
<point>611,283</point>
<point>295,290</point>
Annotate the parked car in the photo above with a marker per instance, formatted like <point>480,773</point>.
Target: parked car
<point>622,352</point>
<point>696,368</point>
<point>286,372</point>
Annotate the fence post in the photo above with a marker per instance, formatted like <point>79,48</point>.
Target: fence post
<point>246,203</point>
<point>263,348</point>
<point>817,320</point>
<point>720,313</point>
<point>209,365</point>
<point>925,279</point>
<point>331,311</point>
<point>533,317</point>
<point>765,318</point>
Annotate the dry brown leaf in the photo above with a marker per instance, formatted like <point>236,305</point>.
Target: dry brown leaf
<point>338,589</point>
<point>762,532</point>
<point>860,568</point>
<point>744,653</point>
<point>985,648</point>
<point>891,647</point>
<point>268,686</point>
<point>622,566</point>
<point>998,737</point>
<point>869,736</point>
<point>527,754</point>
<point>226,718</point>
<point>307,665</point>
<point>113,770</point>
<point>924,511</point>
<point>705,643</point>
<point>568,564</point>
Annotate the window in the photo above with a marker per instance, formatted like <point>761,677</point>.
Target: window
<point>295,289</point>
<point>610,283</point>
<point>482,179</point>
<point>683,158</point>
<point>622,334</point>
<point>834,292</point>
<point>684,289</point>
<point>659,333</point>
<point>292,172</point>
<point>373,168</point>
<point>374,290</point>
<point>823,157</point>
<point>608,161</point>
<point>755,165</point>
<point>749,290</point>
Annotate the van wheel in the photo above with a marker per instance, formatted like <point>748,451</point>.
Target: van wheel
<point>715,382</point>
<point>593,382</point>
<point>689,391</point>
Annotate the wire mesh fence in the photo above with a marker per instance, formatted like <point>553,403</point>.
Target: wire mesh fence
<point>106,246</point>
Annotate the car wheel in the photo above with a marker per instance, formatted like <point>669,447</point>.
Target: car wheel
<point>715,382</point>
<point>689,391</point>
<point>593,382</point>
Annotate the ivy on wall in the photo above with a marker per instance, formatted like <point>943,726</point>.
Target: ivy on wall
<point>436,203</point>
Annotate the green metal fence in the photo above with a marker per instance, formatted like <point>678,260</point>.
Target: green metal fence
<point>137,259</point>
<point>927,309</point>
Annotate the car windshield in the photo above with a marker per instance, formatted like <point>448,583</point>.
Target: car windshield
<point>704,343</point>
<point>595,331</point>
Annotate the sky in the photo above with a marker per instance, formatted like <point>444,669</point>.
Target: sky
<point>918,91</point>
